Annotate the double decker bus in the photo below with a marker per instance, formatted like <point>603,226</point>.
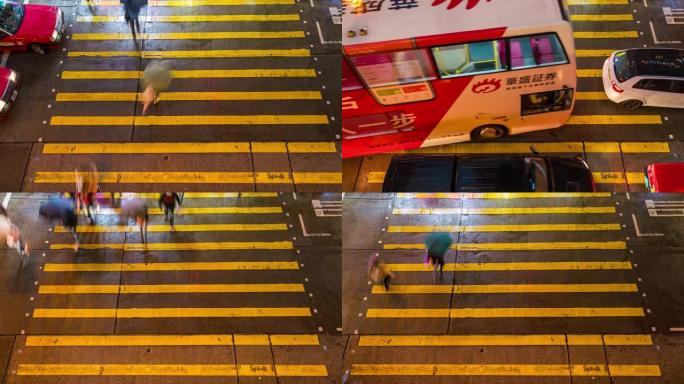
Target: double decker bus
<point>420,73</point>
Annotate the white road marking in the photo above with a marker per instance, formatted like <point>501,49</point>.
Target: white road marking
<point>320,36</point>
<point>327,208</point>
<point>676,329</point>
<point>655,39</point>
<point>5,56</point>
<point>639,234</point>
<point>674,15</point>
<point>305,233</point>
<point>5,201</point>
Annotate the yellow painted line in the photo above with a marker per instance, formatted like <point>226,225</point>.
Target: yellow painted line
<point>191,74</point>
<point>502,196</point>
<point>189,120</point>
<point>189,18</point>
<point>202,210</point>
<point>502,228</point>
<point>606,35</point>
<point>192,35</point>
<point>196,177</point>
<point>178,370</point>
<point>199,195</point>
<point>594,52</point>
<point>614,119</point>
<point>488,148</point>
<point>589,96</point>
<point>150,267</point>
<point>168,288</point>
<point>618,178</point>
<point>603,147</point>
<point>501,211</point>
<point>556,245</point>
<point>168,340</point>
<point>598,2</point>
<point>196,3</point>
<point>153,313</point>
<point>599,17</point>
<point>532,370</point>
<point>589,73</point>
<point>645,147</point>
<point>529,266</point>
<point>193,96</point>
<point>505,288</point>
<point>463,313</point>
<point>219,53</point>
<point>376,177</point>
<point>499,340</point>
<point>177,227</point>
<point>217,147</point>
<point>227,245</point>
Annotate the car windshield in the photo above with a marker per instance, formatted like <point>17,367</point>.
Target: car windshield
<point>625,66</point>
<point>537,175</point>
<point>11,16</point>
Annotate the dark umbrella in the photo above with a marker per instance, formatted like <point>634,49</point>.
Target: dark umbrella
<point>438,243</point>
<point>137,3</point>
<point>56,209</point>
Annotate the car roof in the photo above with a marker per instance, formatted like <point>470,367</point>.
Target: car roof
<point>664,62</point>
<point>491,173</point>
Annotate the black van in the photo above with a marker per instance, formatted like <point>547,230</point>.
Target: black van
<point>494,173</point>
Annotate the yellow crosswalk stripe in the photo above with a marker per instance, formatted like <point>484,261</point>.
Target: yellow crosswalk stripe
<point>645,147</point>
<point>504,195</point>
<point>193,266</point>
<point>195,3</point>
<point>545,246</point>
<point>524,148</point>
<point>177,227</point>
<point>600,17</point>
<point>223,245</point>
<point>191,74</point>
<point>167,288</point>
<point>594,52</point>
<point>535,370</point>
<point>178,370</point>
<point>219,53</point>
<point>463,313</point>
<point>189,18</point>
<point>618,177</point>
<point>501,210</point>
<point>168,340</point>
<point>502,228</point>
<point>526,266</point>
<point>598,2</point>
<point>606,35</point>
<point>43,177</point>
<point>499,340</point>
<point>202,210</point>
<point>199,195</point>
<point>189,120</point>
<point>504,288</point>
<point>193,96</point>
<point>614,119</point>
<point>217,147</point>
<point>152,313</point>
<point>589,96</point>
<point>589,73</point>
<point>193,35</point>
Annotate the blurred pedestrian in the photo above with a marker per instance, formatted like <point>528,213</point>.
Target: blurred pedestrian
<point>378,272</point>
<point>64,211</point>
<point>436,245</point>
<point>136,209</point>
<point>168,201</point>
<point>156,79</point>
<point>131,15</point>
<point>86,188</point>
<point>11,235</point>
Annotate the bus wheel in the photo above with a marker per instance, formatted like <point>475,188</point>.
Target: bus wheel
<point>631,104</point>
<point>488,132</point>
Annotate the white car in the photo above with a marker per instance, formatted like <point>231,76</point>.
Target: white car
<point>645,77</point>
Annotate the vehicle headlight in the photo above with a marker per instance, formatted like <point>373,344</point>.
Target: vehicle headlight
<point>53,38</point>
<point>3,105</point>
<point>13,77</point>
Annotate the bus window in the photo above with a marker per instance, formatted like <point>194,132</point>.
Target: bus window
<point>393,68</point>
<point>349,80</point>
<point>536,51</point>
<point>470,58</point>
<point>551,101</point>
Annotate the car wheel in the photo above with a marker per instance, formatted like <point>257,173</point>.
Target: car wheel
<point>38,48</point>
<point>488,132</point>
<point>631,104</point>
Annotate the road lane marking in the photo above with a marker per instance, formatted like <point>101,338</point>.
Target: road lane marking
<point>524,148</point>
<point>190,120</point>
<point>158,313</point>
<point>504,288</point>
<point>594,52</point>
<point>197,195</point>
<point>606,35</point>
<point>597,17</point>
<point>536,246</point>
<point>189,18</point>
<point>499,340</point>
<point>195,3</point>
<point>589,73</point>
<point>223,245</point>
<point>177,228</point>
<point>191,74</point>
<point>168,288</point>
<point>190,266</point>
<point>193,96</point>
<point>169,340</point>
<point>196,177</point>
<point>192,35</point>
<point>525,266</point>
<point>502,195</point>
<point>618,178</point>
<point>218,147</point>
<point>218,53</point>
<point>465,313</point>
<point>502,228</point>
<point>201,210</point>
<point>502,211</point>
<point>598,2</point>
<point>591,96</point>
<point>614,119</point>
<point>178,370</point>
<point>535,370</point>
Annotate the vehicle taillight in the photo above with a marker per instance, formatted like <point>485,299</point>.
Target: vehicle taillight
<point>616,88</point>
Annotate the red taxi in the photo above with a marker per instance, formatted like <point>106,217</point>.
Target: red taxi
<point>665,177</point>
<point>9,82</point>
<point>30,26</point>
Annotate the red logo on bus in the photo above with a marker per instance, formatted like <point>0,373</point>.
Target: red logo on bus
<point>455,3</point>
<point>487,86</point>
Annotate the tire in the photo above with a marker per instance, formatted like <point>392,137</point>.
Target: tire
<point>631,104</point>
<point>488,132</point>
<point>38,48</point>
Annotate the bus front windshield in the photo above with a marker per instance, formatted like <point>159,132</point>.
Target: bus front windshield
<point>11,16</point>
<point>625,66</point>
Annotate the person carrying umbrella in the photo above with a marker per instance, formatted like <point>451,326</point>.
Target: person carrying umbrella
<point>131,14</point>
<point>156,78</point>
<point>11,235</point>
<point>436,245</point>
<point>136,209</point>
<point>378,273</point>
<point>62,210</point>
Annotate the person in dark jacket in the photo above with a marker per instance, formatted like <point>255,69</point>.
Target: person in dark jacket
<point>131,14</point>
<point>63,210</point>
<point>168,201</point>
